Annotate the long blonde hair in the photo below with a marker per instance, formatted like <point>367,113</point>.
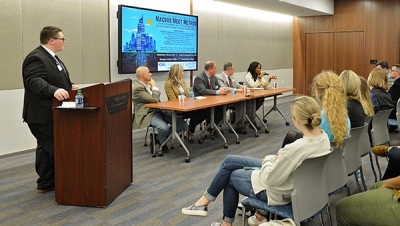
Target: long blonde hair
<point>329,90</point>
<point>174,71</point>
<point>351,83</point>
<point>365,98</point>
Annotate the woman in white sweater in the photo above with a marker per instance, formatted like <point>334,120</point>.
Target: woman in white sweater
<point>269,179</point>
<point>254,78</point>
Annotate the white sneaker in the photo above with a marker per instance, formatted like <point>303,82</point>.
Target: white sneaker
<point>284,222</point>
<point>254,222</point>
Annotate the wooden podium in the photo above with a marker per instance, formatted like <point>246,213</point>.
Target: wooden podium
<point>93,146</point>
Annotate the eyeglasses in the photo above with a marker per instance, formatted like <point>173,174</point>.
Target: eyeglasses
<point>63,39</point>
<point>393,71</point>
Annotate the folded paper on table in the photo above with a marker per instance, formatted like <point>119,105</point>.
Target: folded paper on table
<point>67,104</point>
<point>200,97</point>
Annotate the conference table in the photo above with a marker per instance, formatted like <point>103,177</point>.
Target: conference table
<point>211,101</point>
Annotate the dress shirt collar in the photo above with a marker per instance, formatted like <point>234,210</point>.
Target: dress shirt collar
<point>147,86</point>
<point>48,50</point>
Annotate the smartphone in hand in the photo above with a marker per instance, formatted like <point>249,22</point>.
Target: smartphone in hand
<point>251,168</point>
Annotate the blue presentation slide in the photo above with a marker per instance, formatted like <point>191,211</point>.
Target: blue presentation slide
<point>157,39</point>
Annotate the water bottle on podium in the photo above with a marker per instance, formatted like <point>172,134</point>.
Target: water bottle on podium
<point>79,99</point>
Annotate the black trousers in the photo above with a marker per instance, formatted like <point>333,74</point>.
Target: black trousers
<point>196,117</point>
<point>44,163</point>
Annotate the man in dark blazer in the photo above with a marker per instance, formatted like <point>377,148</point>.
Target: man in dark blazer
<point>226,79</point>
<point>394,91</point>
<point>45,77</point>
<point>145,91</point>
<point>207,84</point>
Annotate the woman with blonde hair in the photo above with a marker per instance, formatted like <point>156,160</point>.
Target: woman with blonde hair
<point>365,98</point>
<point>330,91</point>
<point>269,179</point>
<point>351,83</point>
<point>176,86</point>
<point>378,82</point>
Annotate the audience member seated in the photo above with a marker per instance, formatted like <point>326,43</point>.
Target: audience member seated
<point>226,79</point>
<point>176,86</point>
<point>207,84</point>
<point>394,92</point>
<point>393,154</point>
<point>365,98</point>
<point>355,111</point>
<point>378,206</point>
<point>326,86</point>
<point>145,91</point>
<point>378,82</point>
<point>385,66</point>
<point>254,78</point>
<point>268,179</point>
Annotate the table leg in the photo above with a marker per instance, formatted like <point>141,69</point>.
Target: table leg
<point>175,135</point>
<point>275,108</point>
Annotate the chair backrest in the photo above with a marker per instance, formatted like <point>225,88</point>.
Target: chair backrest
<point>310,194</point>
<point>364,146</point>
<point>351,151</point>
<point>379,131</point>
<point>335,170</point>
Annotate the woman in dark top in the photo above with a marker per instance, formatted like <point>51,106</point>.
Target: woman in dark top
<point>378,82</point>
<point>355,110</point>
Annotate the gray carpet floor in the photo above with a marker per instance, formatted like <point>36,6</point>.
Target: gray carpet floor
<point>161,185</point>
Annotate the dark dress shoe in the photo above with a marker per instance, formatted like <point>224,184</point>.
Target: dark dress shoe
<point>255,125</point>
<point>241,130</point>
<point>165,149</point>
<point>44,190</point>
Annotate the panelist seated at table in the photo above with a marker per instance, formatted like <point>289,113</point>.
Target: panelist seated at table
<point>226,79</point>
<point>254,78</point>
<point>207,84</point>
<point>176,86</point>
<point>145,91</point>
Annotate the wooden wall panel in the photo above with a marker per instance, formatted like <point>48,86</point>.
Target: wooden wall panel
<point>317,59</point>
<point>349,15</point>
<point>299,55</point>
<point>382,33</point>
<point>348,52</point>
<point>319,24</point>
<point>364,30</point>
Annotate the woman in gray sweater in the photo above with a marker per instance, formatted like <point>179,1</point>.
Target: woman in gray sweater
<point>269,179</point>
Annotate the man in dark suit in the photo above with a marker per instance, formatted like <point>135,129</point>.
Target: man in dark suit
<point>45,77</point>
<point>145,91</point>
<point>207,84</point>
<point>394,92</point>
<point>226,79</point>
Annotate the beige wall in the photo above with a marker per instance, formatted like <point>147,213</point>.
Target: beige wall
<point>84,24</point>
<point>225,34</point>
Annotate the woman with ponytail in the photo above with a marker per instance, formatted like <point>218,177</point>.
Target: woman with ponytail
<point>269,179</point>
<point>328,88</point>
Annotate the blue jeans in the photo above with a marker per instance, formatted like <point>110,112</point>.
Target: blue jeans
<point>393,169</point>
<point>234,180</point>
<point>161,119</point>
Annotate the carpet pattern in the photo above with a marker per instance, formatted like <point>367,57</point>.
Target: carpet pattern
<point>161,186</point>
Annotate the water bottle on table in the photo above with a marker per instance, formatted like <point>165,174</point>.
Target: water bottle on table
<point>191,95</point>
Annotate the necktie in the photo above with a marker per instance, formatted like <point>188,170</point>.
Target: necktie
<point>210,83</point>
<point>230,82</point>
